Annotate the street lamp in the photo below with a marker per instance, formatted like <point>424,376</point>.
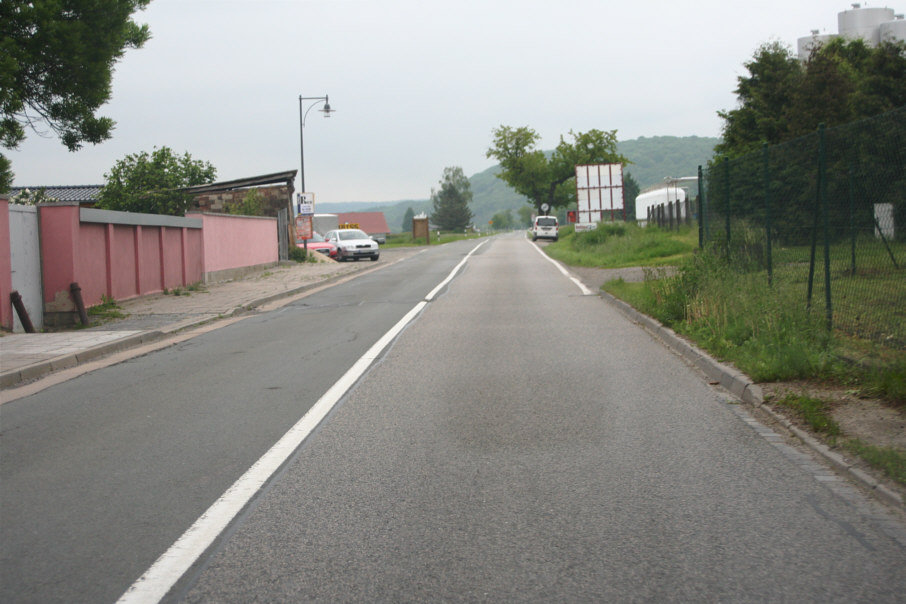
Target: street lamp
<point>302,115</point>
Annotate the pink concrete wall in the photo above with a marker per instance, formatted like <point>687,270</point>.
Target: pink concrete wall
<point>91,271</point>
<point>128,256</point>
<point>122,255</point>
<point>59,247</point>
<point>238,241</point>
<point>6,269</point>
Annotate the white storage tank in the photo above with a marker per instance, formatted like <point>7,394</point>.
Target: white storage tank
<point>654,196</point>
<point>894,31</point>
<point>807,44</point>
<point>863,23</point>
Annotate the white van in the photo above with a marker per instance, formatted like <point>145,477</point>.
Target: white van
<point>545,227</point>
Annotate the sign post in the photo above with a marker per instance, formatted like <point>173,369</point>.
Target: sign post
<point>306,210</point>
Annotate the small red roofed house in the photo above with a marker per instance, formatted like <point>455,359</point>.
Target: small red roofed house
<point>373,223</point>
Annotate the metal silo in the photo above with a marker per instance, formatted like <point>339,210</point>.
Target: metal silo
<point>863,23</point>
<point>806,44</point>
<point>894,31</point>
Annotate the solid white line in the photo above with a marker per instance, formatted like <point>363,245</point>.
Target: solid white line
<point>581,286</point>
<point>173,564</point>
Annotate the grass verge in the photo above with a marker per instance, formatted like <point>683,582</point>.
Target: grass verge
<point>618,245</point>
<point>816,414</point>
<point>889,460</point>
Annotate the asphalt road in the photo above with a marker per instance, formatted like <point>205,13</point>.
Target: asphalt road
<point>519,441</point>
<point>100,475</point>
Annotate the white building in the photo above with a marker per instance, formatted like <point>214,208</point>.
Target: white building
<point>871,24</point>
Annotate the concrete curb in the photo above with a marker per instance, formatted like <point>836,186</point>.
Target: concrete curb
<point>742,387</point>
<point>42,368</point>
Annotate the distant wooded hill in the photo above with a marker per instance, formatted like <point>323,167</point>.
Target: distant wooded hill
<point>652,158</point>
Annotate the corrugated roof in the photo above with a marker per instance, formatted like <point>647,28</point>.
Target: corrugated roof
<point>241,183</point>
<point>372,223</point>
<point>80,193</point>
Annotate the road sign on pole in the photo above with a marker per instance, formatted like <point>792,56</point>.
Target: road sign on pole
<point>303,229</point>
<point>305,203</point>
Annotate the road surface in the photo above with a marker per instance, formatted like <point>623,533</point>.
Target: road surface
<point>518,440</point>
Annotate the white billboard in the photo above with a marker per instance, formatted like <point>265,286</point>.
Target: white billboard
<point>599,194</point>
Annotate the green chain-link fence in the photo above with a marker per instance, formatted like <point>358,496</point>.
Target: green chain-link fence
<point>825,214</point>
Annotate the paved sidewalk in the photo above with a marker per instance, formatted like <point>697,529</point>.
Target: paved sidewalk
<point>25,357</point>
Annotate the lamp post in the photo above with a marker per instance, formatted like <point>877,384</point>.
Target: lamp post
<point>302,115</point>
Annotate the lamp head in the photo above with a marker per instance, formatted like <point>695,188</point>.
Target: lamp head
<point>326,110</point>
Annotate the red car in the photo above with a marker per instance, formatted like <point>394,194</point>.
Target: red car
<point>319,244</point>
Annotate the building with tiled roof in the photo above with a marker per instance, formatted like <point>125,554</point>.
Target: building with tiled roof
<point>84,194</point>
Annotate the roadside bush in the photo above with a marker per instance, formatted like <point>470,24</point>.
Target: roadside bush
<point>297,254</point>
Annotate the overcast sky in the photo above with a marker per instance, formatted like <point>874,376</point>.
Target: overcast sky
<point>417,85</point>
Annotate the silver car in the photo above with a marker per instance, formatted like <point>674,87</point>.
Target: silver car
<point>353,244</point>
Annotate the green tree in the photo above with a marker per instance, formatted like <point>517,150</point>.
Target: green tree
<point>551,180</point>
<point>764,97</point>
<point>6,174</point>
<point>56,65</point>
<point>252,204</point>
<point>503,220</point>
<point>151,184</point>
<point>407,220</point>
<point>525,216</point>
<point>451,203</point>
<point>783,98</point>
<point>630,192</point>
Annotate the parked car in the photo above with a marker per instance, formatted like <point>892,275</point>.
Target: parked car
<point>353,244</point>
<point>319,244</point>
<point>546,227</point>
<point>380,238</point>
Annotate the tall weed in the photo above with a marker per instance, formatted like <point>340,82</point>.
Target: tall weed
<point>735,316</point>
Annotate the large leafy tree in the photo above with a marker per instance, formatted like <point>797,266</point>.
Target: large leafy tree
<point>764,97</point>
<point>782,98</point>
<point>451,203</point>
<point>549,179</point>
<point>151,184</point>
<point>56,65</point>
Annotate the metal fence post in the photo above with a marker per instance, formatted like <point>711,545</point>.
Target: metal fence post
<point>852,224</point>
<point>767,214</point>
<point>727,201</point>
<point>822,185</point>
<point>701,209</point>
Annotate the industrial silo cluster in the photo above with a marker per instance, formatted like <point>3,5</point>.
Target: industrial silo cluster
<point>871,24</point>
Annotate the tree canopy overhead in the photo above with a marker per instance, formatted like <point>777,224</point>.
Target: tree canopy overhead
<point>542,179</point>
<point>56,65</point>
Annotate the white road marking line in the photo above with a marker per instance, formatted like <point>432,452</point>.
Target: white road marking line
<point>157,581</point>
<point>581,286</point>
